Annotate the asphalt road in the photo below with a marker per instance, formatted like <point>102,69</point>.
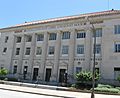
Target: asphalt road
<point>14,94</point>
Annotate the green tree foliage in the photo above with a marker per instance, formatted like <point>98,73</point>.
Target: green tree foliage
<point>3,71</point>
<point>85,76</point>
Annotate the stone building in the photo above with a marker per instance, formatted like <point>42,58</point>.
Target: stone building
<point>49,48</point>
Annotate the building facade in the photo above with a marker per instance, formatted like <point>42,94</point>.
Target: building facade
<point>48,49</point>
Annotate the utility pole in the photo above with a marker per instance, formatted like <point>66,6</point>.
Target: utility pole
<point>94,57</point>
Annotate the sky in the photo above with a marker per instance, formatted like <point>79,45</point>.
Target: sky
<point>14,12</point>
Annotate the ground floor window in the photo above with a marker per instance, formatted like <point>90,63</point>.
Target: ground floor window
<point>78,69</point>
<point>116,72</point>
<point>15,69</point>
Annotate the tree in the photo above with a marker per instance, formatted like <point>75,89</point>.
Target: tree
<point>85,76</point>
<point>3,72</point>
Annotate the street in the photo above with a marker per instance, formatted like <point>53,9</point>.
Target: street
<point>14,94</point>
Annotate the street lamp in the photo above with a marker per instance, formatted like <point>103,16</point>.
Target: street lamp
<point>94,57</point>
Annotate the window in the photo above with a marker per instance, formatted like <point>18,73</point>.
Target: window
<point>51,50</point>
<point>65,49</point>
<point>78,69</point>
<point>98,49</point>
<point>66,35</point>
<point>27,51</point>
<point>15,69</point>
<point>4,50</point>
<point>39,51</point>
<point>117,47</point>
<point>18,40</point>
<point>17,51</point>
<point>117,29</point>
<point>80,49</point>
<point>6,39</point>
<point>52,36</point>
<point>116,72</point>
<point>40,37</point>
<point>81,35</point>
<point>28,38</point>
<point>98,32</point>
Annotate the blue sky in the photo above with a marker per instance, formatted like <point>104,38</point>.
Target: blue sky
<point>18,11</point>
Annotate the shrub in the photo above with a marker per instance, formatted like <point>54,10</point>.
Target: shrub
<point>3,72</point>
<point>110,90</point>
<point>118,88</point>
<point>104,86</point>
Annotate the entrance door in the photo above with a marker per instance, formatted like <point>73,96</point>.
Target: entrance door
<point>48,74</point>
<point>35,73</point>
<point>61,75</point>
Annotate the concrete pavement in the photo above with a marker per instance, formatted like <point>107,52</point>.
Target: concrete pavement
<point>56,93</point>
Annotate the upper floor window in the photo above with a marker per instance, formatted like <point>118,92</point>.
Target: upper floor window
<point>51,50</point>
<point>66,35</point>
<point>27,52</point>
<point>52,36</point>
<point>17,51</point>
<point>4,50</point>
<point>81,35</point>
<point>18,39</point>
<point>28,38</point>
<point>38,51</point>
<point>98,49</point>
<point>99,32</point>
<point>40,37</point>
<point>65,49</point>
<point>117,47</point>
<point>117,29</point>
<point>6,39</point>
<point>80,49</point>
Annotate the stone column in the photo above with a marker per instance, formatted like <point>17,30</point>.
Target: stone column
<point>44,55</point>
<point>71,55</point>
<point>20,61</point>
<point>56,58</point>
<point>32,54</point>
<point>88,49</point>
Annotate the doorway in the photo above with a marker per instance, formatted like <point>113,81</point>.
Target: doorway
<point>48,74</point>
<point>61,75</point>
<point>35,73</point>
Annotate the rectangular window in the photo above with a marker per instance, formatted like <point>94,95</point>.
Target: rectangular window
<point>28,38</point>
<point>78,69</point>
<point>66,35</point>
<point>98,49</point>
<point>15,69</point>
<point>65,49</point>
<point>27,51</point>
<point>80,49</point>
<point>81,35</point>
<point>52,36</point>
<point>117,47</point>
<point>117,29</point>
<point>4,50</point>
<point>18,39</point>
<point>40,37</point>
<point>6,39</point>
<point>51,50</point>
<point>98,32</point>
<point>38,51</point>
<point>116,72</point>
<point>17,51</point>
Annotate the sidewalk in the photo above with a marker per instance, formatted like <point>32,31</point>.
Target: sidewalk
<point>56,93</point>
